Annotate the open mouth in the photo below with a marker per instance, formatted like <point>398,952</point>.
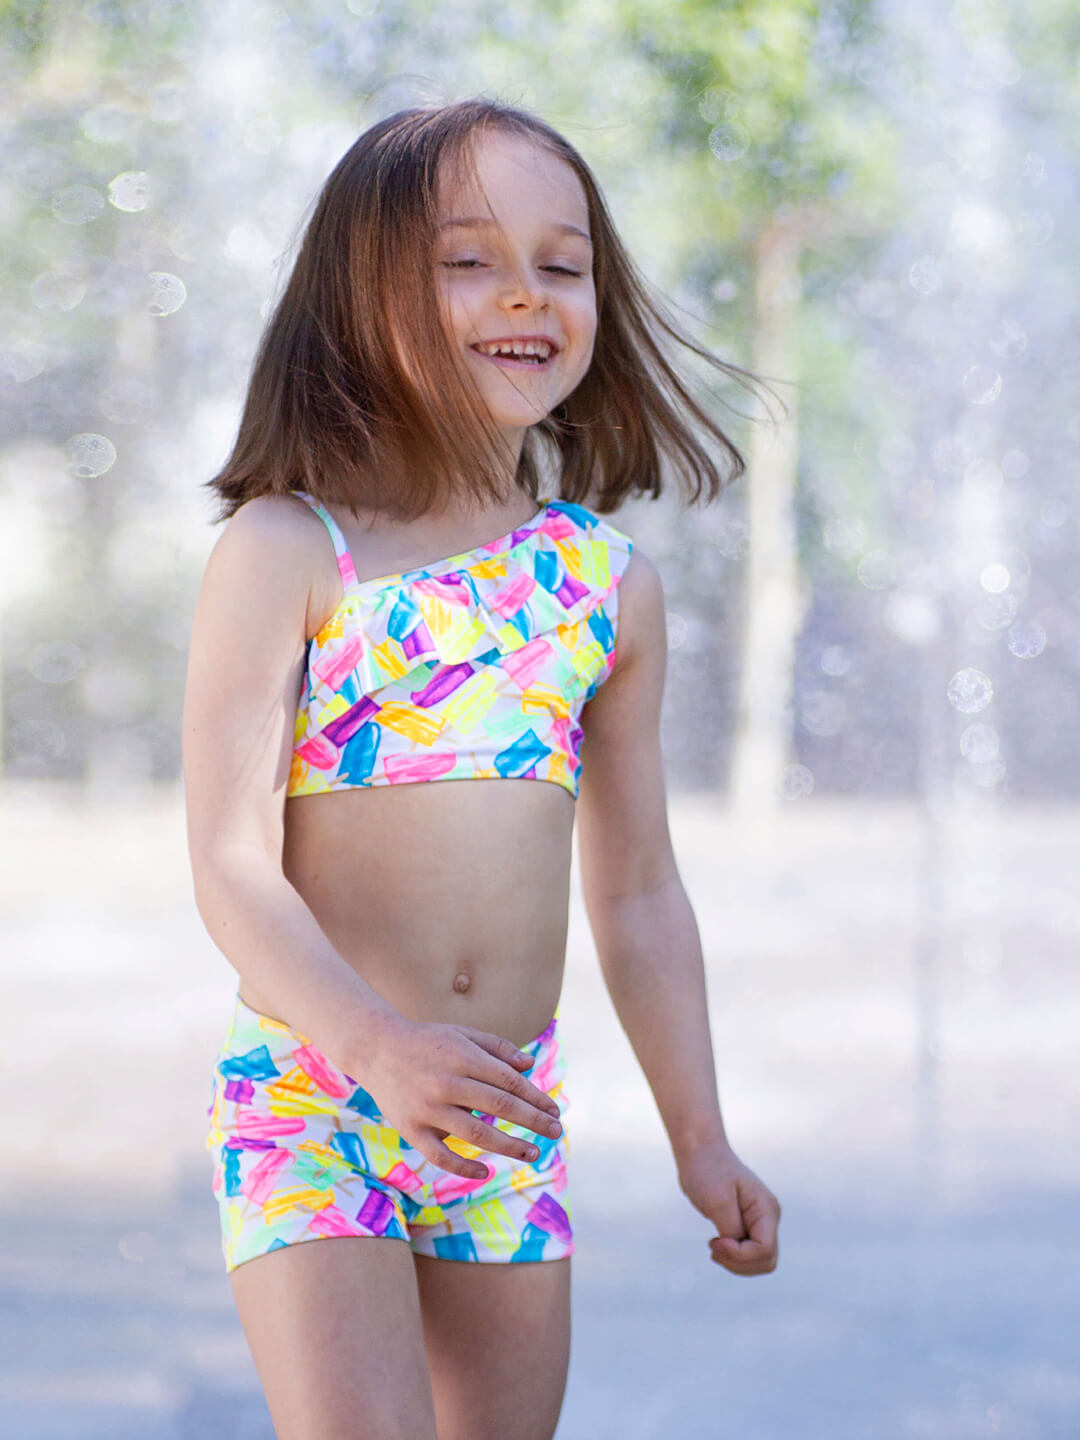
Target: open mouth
<point>517,354</point>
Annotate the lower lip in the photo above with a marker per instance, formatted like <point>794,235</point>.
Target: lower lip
<point>507,362</point>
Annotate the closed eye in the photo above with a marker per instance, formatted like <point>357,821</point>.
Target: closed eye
<point>462,264</point>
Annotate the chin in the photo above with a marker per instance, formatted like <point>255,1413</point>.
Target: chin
<point>519,417</point>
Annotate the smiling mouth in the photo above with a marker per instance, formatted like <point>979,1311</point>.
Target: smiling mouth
<point>517,355</point>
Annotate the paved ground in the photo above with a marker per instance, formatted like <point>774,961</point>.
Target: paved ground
<point>895,1016</point>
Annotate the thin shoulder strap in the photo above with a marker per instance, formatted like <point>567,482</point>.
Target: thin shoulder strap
<point>346,567</point>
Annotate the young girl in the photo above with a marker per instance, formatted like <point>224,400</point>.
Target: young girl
<point>390,1083</point>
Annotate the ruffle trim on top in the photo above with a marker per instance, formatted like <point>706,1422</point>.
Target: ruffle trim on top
<point>558,574</point>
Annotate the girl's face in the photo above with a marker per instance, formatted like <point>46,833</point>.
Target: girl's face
<point>514,258</point>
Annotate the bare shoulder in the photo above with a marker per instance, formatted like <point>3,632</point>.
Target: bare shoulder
<point>642,626</point>
<point>274,548</point>
<point>275,525</point>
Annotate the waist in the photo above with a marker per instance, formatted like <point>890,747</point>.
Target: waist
<point>451,901</point>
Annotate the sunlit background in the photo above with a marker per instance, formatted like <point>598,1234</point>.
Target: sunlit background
<point>870,723</point>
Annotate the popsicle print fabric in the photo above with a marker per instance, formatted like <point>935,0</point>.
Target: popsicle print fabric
<point>474,667</point>
<point>301,1151</point>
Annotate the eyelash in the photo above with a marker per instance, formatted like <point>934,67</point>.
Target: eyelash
<point>559,269</point>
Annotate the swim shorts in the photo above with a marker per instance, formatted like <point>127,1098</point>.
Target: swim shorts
<point>302,1152</point>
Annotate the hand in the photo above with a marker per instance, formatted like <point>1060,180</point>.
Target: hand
<point>426,1079</point>
<point>744,1210</point>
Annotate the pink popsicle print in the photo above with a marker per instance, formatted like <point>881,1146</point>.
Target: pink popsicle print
<point>401,769</point>
<point>259,1184</point>
<point>451,1187</point>
<point>265,1127</point>
<point>509,600</point>
<point>524,664</point>
<point>332,1221</point>
<point>316,1067</point>
<point>559,526</point>
<point>319,752</point>
<point>562,732</point>
<point>337,663</point>
<point>542,1075</point>
<point>403,1178</point>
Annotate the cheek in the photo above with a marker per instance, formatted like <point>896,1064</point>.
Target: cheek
<point>582,321</point>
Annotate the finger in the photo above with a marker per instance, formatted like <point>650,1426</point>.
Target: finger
<point>433,1149</point>
<point>494,1068</point>
<point>491,1100</point>
<point>490,1071</point>
<point>741,1252</point>
<point>486,1137</point>
<point>497,1045</point>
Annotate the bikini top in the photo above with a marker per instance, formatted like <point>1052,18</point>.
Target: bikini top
<point>474,667</point>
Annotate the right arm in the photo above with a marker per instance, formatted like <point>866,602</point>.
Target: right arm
<point>245,672</point>
<point>246,669</point>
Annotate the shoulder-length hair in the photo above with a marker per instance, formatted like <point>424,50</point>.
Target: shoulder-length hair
<point>356,394</point>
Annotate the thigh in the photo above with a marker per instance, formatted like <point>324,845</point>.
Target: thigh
<point>498,1346</point>
<point>335,1330</point>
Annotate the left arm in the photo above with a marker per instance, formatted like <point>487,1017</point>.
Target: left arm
<point>645,932</point>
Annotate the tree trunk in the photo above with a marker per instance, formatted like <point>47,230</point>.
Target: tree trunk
<point>773,607</point>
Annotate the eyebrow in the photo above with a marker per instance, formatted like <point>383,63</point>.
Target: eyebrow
<point>468,221</point>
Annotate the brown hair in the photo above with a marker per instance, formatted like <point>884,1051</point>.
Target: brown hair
<point>332,409</point>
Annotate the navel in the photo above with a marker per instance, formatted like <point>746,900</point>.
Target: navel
<point>462,982</point>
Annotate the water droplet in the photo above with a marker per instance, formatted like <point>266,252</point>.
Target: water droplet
<point>970,691</point>
<point>57,290</point>
<point>719,102</point>
<point>926,275</point>
<point>167,292</point>
<point>876,570</point>
<point>995,578</point>
<point>1027,638</point>
<point>835,660</point>
<point>979,743</point>
<point>996,612</point>
<point>90,455</point>
<point>729,141</point>
<point>1014,463</point>
<point>796,782</point>
<point>109,124</point>
<point>77,204</point>
<point>22,358</point>
<point>56,664</point>
<point>128,190</point>
<point>982,385</point>
<point>1009,341</point>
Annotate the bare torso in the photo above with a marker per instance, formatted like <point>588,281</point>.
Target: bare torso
<point>449,897</point>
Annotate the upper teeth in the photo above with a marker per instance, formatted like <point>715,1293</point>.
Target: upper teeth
<point>516,347</point>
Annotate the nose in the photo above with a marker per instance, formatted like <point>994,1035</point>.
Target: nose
<point>523,291</point>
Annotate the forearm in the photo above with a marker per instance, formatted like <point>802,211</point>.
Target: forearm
<point>266,931</point>
<point>650,956</point>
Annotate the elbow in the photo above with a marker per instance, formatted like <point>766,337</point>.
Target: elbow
<point>219,870</point>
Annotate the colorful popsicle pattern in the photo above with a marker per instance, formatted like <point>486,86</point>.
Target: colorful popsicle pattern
<point>473,667</point>
<point>301,1151</point>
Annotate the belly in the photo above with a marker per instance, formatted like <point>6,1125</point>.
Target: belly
<point>449,898</point>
